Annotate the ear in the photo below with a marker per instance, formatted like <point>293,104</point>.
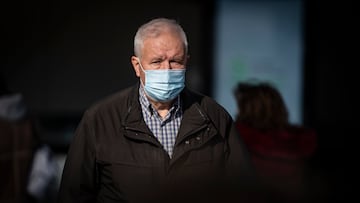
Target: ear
<point>136,65</point>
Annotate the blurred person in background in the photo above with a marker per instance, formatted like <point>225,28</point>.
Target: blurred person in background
<point>280,152</point>
<point>26,164</point>
<point>16,145</point>
<point>157,141</point>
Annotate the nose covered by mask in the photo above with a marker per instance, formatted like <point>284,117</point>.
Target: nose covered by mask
<point>165,84</point>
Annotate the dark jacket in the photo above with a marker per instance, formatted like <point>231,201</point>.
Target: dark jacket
<point>281,159</point>
<point>114,157</point>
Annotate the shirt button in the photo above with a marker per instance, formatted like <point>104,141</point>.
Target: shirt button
<point>198,138</point>
<point>187,142</point>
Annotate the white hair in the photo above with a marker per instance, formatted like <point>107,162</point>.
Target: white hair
<point>154,28</point>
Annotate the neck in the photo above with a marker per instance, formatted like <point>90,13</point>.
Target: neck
<point>161,107</point>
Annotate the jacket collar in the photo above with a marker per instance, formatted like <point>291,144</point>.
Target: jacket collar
<point>134,118</point>
<point>193,118</point>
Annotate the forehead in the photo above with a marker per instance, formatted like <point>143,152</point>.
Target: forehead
<point>164,43</point>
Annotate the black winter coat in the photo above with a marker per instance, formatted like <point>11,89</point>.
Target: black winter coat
<point>114,157</point>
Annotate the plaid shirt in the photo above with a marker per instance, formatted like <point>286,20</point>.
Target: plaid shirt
<point>165,130</point>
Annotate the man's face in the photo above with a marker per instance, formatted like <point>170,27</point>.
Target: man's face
<point>163,52</point>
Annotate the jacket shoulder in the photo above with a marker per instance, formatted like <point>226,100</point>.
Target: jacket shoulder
<point>212,108</point>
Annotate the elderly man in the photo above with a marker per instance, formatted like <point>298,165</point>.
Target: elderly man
<point>158,140</point>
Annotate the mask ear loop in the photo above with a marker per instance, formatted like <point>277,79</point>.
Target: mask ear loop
<point>141,67</point>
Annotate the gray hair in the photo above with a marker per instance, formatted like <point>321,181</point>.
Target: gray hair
<point>154,28</point>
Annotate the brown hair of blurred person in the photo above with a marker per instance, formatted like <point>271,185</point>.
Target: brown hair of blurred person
<point>261,105</point>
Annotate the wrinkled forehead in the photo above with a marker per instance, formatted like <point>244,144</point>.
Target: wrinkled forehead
<point>166,41</point>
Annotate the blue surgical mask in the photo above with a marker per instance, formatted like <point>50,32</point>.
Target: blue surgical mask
<point>163,85</point>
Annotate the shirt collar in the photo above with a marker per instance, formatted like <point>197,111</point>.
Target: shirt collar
<point>145,103</point>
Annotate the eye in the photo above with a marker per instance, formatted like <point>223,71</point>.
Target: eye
<point>156,61</point>
<point>177,63</point>
<point>155,64</point>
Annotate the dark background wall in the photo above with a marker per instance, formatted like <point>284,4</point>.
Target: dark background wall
<point>330,90</point>
<point>65,55</point>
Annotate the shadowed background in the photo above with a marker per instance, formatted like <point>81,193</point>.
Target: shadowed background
<point>65,55</point>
